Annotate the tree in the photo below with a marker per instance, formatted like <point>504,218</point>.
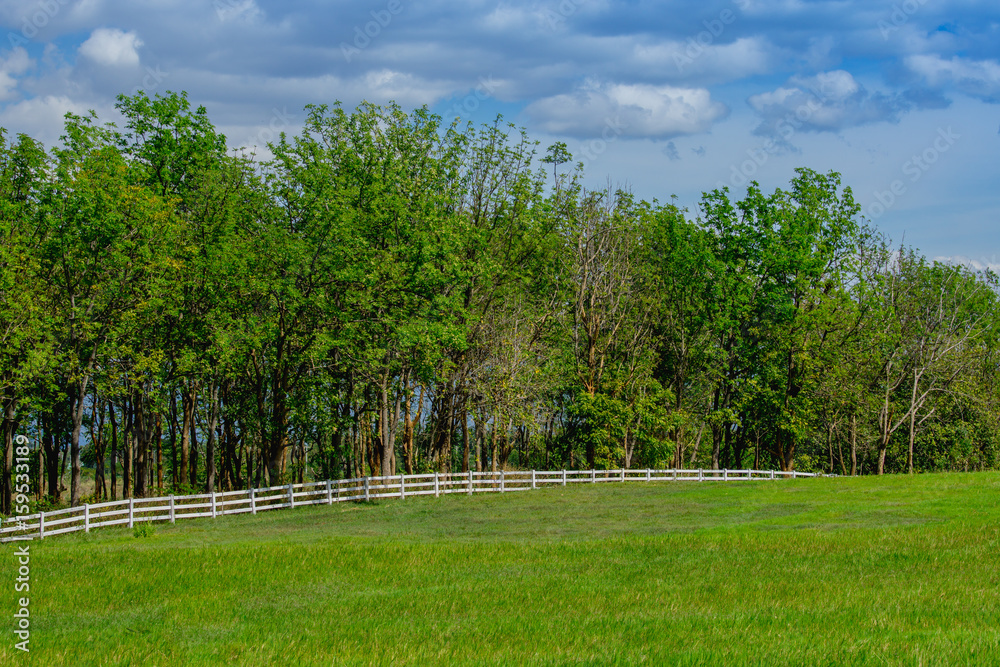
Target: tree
<point>103,234</point>
<point>25,334</point>
<point>609,320</point>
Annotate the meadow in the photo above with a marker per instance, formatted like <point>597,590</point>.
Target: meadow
<point>890,570</point>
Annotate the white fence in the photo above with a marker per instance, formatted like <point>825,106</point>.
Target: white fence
<point>171,508</point>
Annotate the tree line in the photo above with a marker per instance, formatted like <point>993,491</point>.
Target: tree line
<point>391,293</point>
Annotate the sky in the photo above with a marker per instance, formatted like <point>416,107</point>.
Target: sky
<point>669,99</point>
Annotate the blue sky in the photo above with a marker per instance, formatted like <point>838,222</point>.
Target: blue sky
<point>669,98</point>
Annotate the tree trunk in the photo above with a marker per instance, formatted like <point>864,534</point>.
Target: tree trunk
<point>231,458</point>
<point>141,446</point>
<point>716,445</point>
<point>97,440</point>
<point>493,443</point>
<point>408,437</point>
<point>127,452</point>
<point>8,457</point>
<point>278,445</point>
<point>78,408</point>
<point>465,436</point>
<point>480,441</point>
<point>159,454</point>
<point>854,445</point>
<point>188,400</point>
<point>114,451</point>
<point>213,420</point>
<point>697,443</point>
<point>829,443</point>
<point>883,445</point>
<point>444,464</point>
<point>194,449</point>
<point>913,423</point>
<point>385,447</point>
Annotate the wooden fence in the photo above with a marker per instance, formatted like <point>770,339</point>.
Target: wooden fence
<point>171,508</point>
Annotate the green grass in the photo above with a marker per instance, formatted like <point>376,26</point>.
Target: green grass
<point>897,570</point>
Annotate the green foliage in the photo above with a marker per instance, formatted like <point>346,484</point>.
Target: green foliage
<point>393,293</point>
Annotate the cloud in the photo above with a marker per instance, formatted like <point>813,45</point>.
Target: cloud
<point>671,151</point>
<point>630,110</point>
<point>14,64</point>
<point>743,57</point>
<point>826,102</point>
<point>977,78</point>
<point>42,117</point>
<point>981,264</point>
<point>237,10</point>
<point>112,47</point>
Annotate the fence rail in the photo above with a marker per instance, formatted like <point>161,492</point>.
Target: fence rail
<point>211,505</point>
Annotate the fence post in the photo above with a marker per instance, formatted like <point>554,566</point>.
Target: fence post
<point>437,485</point>
<point>41,525</point>
<point>402,486</point>
<point>564,477</point>
<point>501,480</point>
<point>533,487</point>
<point>772,474</point>
<point>172,519</point>
<point>623,474</point>
<point>131,512</point>
<point>675,474</point>
<point>648,474</point>
<point>367,493</point>
<point>86,518</point>
<point>725,475</point>
<point>470,481</point>
<point>291,498</point>
<point>793,474</point>
<point>329,493</point>
<point>253,500</point>
<point>593,476</point>
<point>701,477</point>
<point>213,505</point>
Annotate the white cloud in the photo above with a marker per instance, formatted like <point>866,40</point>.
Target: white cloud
<point>112,47</point>
<point>743,57</point>
<point>978,78</point>
<point>16,63</point>
<point>981,264</point>
<point>42,117</point>
<point>237,10</point>
<point>629,110</point>
<point>826,102</point>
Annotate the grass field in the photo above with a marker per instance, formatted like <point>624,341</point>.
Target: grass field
<point>898,570</point>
